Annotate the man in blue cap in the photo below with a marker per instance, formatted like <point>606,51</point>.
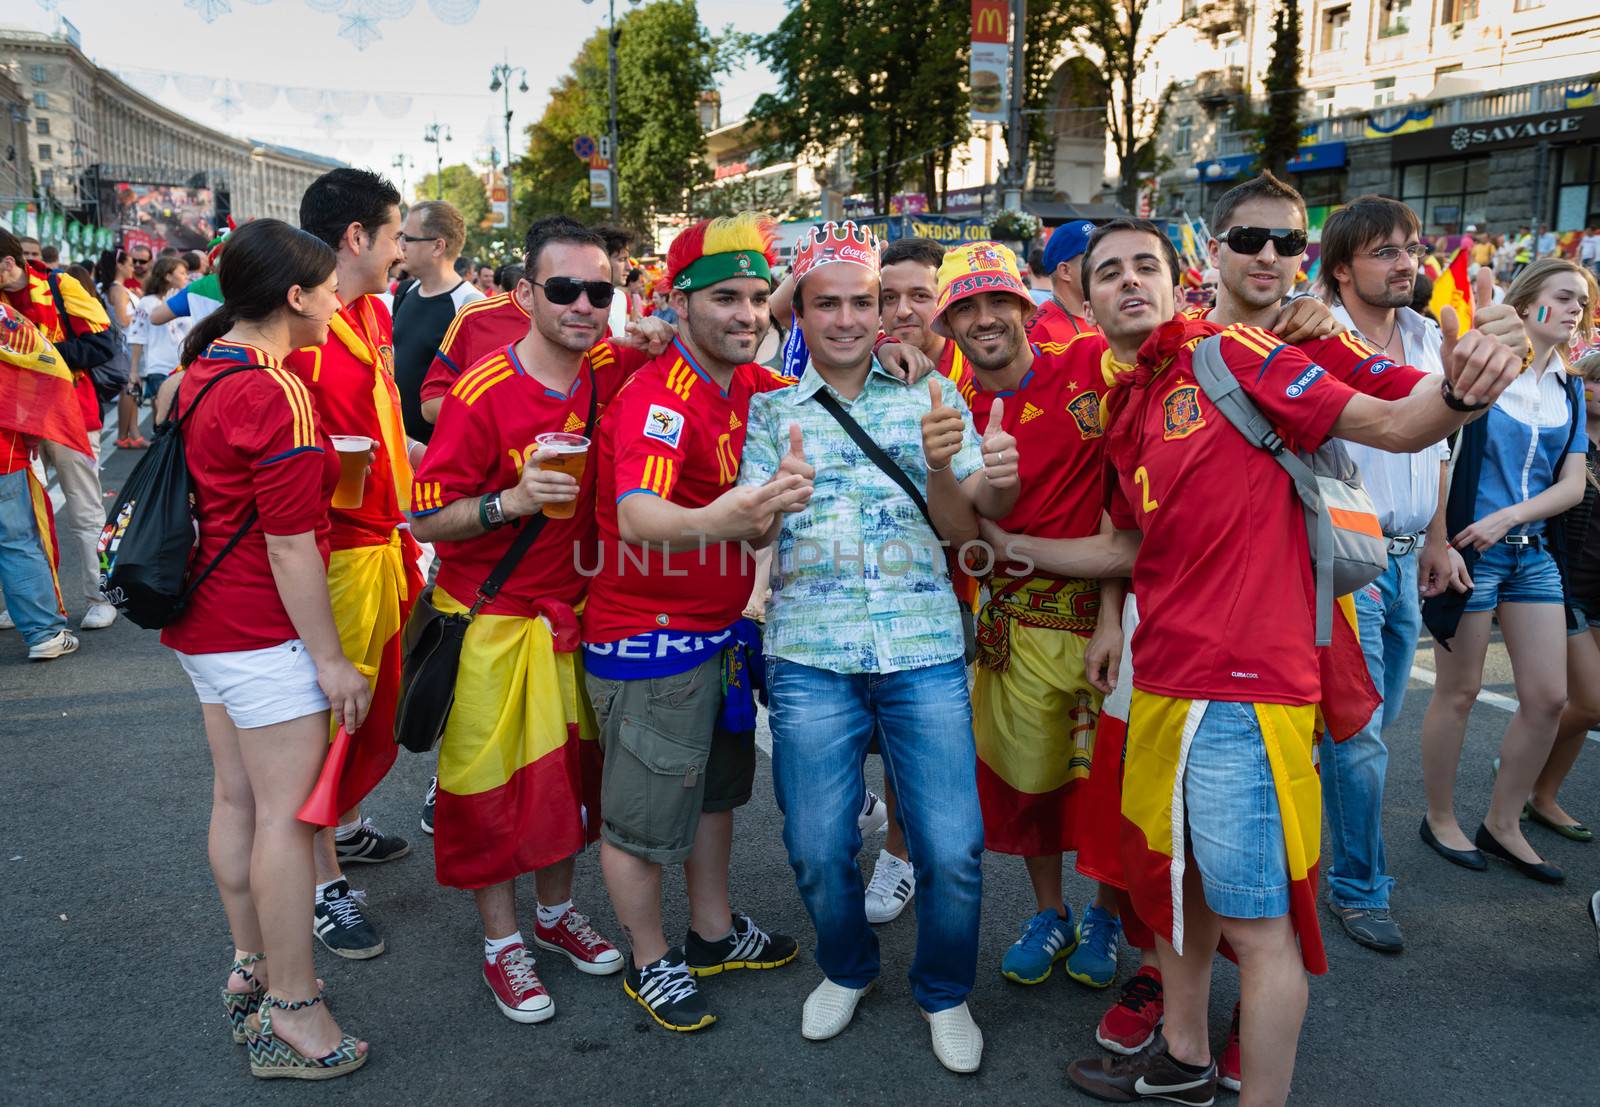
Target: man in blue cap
<point>1061,316</point>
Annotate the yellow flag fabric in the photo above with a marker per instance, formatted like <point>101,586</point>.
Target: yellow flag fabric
<point>385,399</point>
<point>1453,289</point>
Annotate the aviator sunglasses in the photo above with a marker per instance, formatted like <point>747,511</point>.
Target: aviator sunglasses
<point>562,291</point>
<point>1249,240</point>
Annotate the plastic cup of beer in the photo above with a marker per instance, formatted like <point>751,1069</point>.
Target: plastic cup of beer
<point>571,454</point>
<point>353,451</point>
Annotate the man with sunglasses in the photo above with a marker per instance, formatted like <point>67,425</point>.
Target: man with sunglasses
<point>141,258</point>
<point>424,306</point>
<point>372,571</point>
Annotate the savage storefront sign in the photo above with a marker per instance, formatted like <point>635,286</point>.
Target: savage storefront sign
<point>1465,139</point>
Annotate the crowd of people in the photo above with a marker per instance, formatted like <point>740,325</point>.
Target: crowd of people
<point>1007,537</point>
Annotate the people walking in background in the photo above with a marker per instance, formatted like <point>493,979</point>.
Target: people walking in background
<point>154,350</point>
<point>257,637</point>
<point>1519,468</point>
<point>618,241</point>
<point>424,305</point>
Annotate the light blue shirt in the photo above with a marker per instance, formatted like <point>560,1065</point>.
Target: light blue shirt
<point>859,583</point>
<point>1529,435</point>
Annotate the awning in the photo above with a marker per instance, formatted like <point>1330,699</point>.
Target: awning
<point>1322,155</point>
<point>1066,211</point>
<point>1229,168</point>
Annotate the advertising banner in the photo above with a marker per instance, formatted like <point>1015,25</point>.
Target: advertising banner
<point>991,53</point>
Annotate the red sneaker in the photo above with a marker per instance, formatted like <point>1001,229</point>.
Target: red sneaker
<point>1128,1027</point>
<point>1228,1065</point>
<point>583,945</point>
<point>516,987</point>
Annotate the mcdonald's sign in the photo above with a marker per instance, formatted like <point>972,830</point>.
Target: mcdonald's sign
<point>990,19</point>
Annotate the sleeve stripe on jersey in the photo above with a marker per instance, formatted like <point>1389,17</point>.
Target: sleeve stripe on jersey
<point>780,377</point>
<point>681,379</point>
<point>1251,341</point>
<point>305,426</point>
<point>462,315</point>
<point>1358,347</point>
<point>426,496</point>
<point>601,356</point>
<point>1268,360</point>
<point>290,453</point>
<point>659,473</point>
<point>444,357</point>
<point>634,492</point>
<point>472,384</point>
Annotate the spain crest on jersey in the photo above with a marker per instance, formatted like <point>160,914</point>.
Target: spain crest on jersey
<point>1085,411</point>
<point>1181,412</point>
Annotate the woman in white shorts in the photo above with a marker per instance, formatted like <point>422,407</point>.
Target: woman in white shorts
<point>258,638</point>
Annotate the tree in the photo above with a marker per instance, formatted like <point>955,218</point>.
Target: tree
<point>666,61</point>
<point>464,188</point>
<point>1050,25</point>
<point>885,80</point>
<point>1278,128</point>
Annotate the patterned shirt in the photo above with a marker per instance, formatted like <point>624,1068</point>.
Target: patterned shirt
<point>858,582</point>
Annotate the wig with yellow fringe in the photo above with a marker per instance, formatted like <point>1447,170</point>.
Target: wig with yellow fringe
<point>720,249</point>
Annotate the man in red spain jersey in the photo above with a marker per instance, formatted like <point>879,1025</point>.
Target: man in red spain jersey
<point>1226,676</point>
<point>1033,701</point>
<point>478,330</point>
<point>669,660</point>
<point>519,770</point>
<point>372,572</point>
<point>1061,318</point>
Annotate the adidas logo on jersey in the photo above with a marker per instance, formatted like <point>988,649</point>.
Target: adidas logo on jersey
<point>733,422</point>
<point>573,424</point>
<point>1030,412</point>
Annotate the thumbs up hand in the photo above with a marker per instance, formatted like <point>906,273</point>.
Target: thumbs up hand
<point>1482,287</point>
<point>999,451</point>
<point>942,429</point>
<point>794,463</point>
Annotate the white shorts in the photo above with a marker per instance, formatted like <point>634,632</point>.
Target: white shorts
<point>258,687</point>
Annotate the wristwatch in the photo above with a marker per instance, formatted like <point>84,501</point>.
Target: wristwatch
<point>490,513</point>
<point>1456,403</point>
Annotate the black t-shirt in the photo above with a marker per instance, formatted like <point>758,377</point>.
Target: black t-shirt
<point>419,325</point>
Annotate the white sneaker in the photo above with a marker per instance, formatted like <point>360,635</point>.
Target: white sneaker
<point>98,617</point>
<point>893,884</point>
<point>6,622</point>
<point>829,1009</point>
<point>874,815</point>
<point>62,644</point>
<point>957,1041</point>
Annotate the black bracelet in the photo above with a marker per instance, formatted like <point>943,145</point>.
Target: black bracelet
<point>1456,403</point>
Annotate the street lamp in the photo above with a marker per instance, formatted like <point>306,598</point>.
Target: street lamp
<point>611,87</point>
<point>401,163</point>
<point>436,134</point>
<point>502,75</point>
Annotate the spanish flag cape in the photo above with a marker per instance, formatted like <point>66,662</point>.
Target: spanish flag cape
<point>373,588</point>
<point>1160,728</point>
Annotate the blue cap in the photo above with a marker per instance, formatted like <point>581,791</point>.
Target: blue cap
<point>1066,242</point>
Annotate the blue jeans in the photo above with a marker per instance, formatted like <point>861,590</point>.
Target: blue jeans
<point>1389,616</point>
<point>25,576</point>
<point>822,723</point>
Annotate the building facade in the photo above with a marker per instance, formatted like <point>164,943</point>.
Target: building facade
<point>89,134</point>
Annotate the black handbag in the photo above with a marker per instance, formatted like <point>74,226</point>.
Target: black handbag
<point>876,453</point>
<point>433,640</point>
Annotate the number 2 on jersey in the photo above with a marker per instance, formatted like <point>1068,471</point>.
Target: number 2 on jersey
<point>1141,477</point>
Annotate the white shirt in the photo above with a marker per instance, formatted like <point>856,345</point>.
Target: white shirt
<point>618,315</point>
<point>163,344</point>
<point>1404,487</point>
<point>1589,248</point>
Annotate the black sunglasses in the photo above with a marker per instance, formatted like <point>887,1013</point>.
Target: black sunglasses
<point>1249,240</point>
<point>562,291</point>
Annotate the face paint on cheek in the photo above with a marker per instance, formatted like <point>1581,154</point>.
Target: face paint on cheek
<point>1544,313</point>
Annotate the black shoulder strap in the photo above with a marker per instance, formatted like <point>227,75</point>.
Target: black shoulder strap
<point>531,529</point>
<point>178,420</point>
<point>250,516</point>
<point>875,452</point>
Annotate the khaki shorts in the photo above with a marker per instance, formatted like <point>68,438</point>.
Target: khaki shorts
<point>667,760</point>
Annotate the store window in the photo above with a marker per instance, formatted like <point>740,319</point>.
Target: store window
<point>1335,28</point>
<point>1446,195</point>
<point>1578,193</point>
<point>1321,189</point>
<point>1394,18</point>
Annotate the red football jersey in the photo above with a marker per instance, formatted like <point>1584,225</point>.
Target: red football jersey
<point>481,328</point>
<point>254,442</point>
<point>672,432</point>
<point>485,433</point>
<point>342,386</point>
<point>1053,323</point>
<point>1224,533</point>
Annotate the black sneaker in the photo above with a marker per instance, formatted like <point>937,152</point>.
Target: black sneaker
<point>668,992</point>
<point>341,926</point>
<point>1372,927</point>
<point>1150,1074</point>
<point>427,806</point>
<point>747,947</point>
<point>367,845</point>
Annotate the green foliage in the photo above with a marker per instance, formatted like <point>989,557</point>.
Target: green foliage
<point>1278,128</point>
<point>1050,25</point>
<point>666,58</point>
<point>464,188</point>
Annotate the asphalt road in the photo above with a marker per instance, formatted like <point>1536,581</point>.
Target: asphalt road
<point>114,945</point>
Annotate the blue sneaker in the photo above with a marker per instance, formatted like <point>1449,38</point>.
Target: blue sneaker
<point>1094,961</point>
<point>1046,939</point>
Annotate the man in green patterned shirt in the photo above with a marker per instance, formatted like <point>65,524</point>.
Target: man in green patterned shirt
<point>864,636</point>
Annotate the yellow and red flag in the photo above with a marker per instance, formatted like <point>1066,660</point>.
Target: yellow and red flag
<point>1451,288</point>
<point>36,387</point>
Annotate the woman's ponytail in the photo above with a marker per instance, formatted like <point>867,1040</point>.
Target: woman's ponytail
<point>207,331</point>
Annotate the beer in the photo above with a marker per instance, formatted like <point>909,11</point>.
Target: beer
<point>353,451</point>
<point>570,457</point>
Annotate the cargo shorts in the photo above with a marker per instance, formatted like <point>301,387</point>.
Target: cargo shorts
<point>666,760</point>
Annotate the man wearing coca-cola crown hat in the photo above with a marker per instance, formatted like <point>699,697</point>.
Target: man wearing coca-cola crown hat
<point>899,469</point>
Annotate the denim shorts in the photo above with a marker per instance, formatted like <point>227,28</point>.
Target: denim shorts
<point>1513,574</point>
<point>1585,616</point>
<point>1235,828</point>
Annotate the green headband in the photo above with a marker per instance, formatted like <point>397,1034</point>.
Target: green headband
<point>710,269</point>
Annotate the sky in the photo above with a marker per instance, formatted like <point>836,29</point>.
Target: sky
<point>168,50</point>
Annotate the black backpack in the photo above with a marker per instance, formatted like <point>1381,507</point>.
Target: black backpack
<point>151,532</point>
